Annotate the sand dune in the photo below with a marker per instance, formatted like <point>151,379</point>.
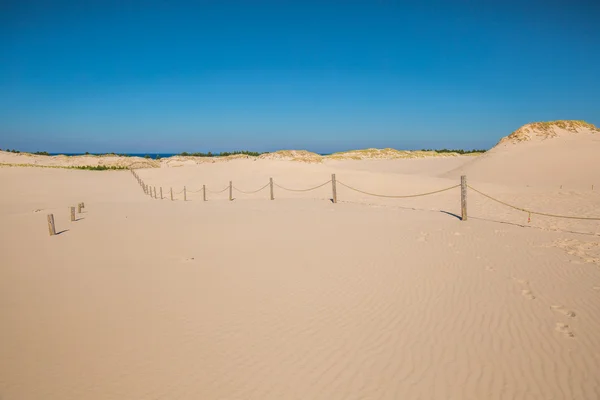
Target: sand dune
<point>541,155</point>
<point>62,161</point>
<point>370,298</point>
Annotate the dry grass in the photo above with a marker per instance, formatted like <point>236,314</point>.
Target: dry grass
<point>293,155</point>
<point>386,154</point>
<point>546,130</point>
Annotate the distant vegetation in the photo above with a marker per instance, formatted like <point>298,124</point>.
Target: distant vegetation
<point>100,167</point>
<point>41,153</point>
<point>223,154</point>
<point>11,151</point>
<point>459,151</point>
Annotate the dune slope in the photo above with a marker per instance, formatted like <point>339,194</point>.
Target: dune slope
<point>540,154</point>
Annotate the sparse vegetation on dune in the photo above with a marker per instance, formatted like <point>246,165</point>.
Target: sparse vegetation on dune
<point>82,167</point>
<point>389,153</point>
<point>293,155</point>
<point>547,130</point>
<point>222,154</point>
<point>457,151</point>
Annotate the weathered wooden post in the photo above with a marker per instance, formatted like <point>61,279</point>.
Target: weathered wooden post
<point>463,198</point>
<point>78,208</point>
<point>230,191</point>
<point>155,193</point>
<point>334,189</point>
<point>184,194</point>
<point>51,228</point>
<point>82,204</point>
<point>72,213</point>
<point>271,186</point>
<point>204,192</point>
<point>161,193</point>
<point>171,194</point>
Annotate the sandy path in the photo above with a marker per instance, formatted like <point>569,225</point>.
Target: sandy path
<point>295,298</point>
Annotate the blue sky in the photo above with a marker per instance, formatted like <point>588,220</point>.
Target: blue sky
<point>159,76</point>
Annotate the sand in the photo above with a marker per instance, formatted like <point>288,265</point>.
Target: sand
<point>300,298</point>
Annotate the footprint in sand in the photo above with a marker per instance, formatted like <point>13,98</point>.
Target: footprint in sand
<point>489,268</point>
<point>423,238</point>
<point>564,311</point>
<point>527,294</point>
<point>564,329</point>
<point>189,259</point>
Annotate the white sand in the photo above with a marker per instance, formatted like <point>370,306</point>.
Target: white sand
<point>369,298</point>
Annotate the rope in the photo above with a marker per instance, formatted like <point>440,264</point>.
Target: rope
<point>302,190</point>
<point>194,191</point>
<point>220,191</point>
<point>254,191</point>
<point>533,212</point>
<point>398,197</point>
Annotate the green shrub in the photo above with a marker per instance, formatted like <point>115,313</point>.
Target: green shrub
<point>459,151</point>
<point>222,154</point>
<point>100,167</point>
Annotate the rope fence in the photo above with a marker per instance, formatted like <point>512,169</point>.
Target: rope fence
<point>253,191</point>
<point>303,190</point>
<point>218,191</point>
<point>333,181</point>
<point>530,211</point>
<point>398,196</point>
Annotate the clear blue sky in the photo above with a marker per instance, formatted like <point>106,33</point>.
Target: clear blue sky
<point>166,76</point>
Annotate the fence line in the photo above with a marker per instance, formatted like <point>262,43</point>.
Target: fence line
<point>302,190</point>
<point>219,191</point>
<point>333,181</point>
<point>253,191</point>
<point>398,196</point>
<point>530,211</point>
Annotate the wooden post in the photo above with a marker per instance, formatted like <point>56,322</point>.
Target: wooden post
<point>230,191</point>
<point>78,208</point>
<point>463,198</point>
<point>72,213</point>
<point>51,228</point>
<point>334,189</point>
<point>204,192</point>
<point>171,194</point>
<point>161,193</point>
<point>155,193</point>
<point>184,194</point>
<point>82,204</point>
<point>271,186</point>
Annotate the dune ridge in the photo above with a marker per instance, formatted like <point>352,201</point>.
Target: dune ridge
<point>547,130</point>
<point>305,156</point>
<point>557,153</point>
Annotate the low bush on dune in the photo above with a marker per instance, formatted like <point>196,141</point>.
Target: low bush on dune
<point>459,151</point>
<point>99,167</point>
<point>222,154</point>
